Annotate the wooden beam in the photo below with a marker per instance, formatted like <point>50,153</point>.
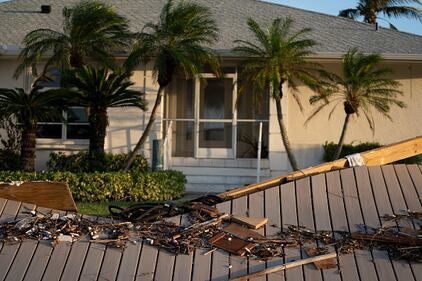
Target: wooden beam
<point>284,267</point>
<point>380,156</point>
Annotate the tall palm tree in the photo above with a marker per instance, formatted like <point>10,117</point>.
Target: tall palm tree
<point>276,57</point>
<point>362,86</point>
<point>177,42</point>
<point>28,109</point>
<point>369,10</point>
<point>98,90</point>
<point>90,29</point>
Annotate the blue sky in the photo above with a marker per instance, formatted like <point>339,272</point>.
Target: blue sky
<point>333,6</point>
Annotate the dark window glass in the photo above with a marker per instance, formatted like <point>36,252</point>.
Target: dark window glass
<point>78,131</point>
<point>77,115</point>
<point>52,79</point>
<point>49,131</point>
<point>247,140</point>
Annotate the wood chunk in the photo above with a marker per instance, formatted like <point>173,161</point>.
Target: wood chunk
<point>231,244</point>
<point>52,195</point>
<point>251,222</point>
<point>321,264</point>
<point>201,207</point>
<point>242,232</point>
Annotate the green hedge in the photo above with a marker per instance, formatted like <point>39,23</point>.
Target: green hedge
<point>79,162</point>
<point>111,186</point>
<point>330,148</point>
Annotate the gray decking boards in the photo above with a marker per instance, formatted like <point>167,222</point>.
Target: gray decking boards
<point>337,200</point>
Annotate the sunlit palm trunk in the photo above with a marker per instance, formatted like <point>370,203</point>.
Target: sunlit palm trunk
<point>28,148</point>
<point>147,130</point>
<point>284,136</point>
<point>343,134</point>
<point>98,121</point>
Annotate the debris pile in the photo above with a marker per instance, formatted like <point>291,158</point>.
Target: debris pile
<point>206,227</point>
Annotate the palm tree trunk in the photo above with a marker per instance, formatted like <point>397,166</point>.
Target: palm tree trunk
<point>341,140</point>
<point>147,130</point>
<point>28,148</point>
<point>98,121</point>
<point>284,137</point>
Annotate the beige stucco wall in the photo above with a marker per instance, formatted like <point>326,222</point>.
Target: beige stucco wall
<point>407,123</point>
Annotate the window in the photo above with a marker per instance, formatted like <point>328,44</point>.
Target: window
<point>75,126</point>
<point>209,121</point>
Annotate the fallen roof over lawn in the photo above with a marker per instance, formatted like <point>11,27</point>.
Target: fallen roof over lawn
<point>339,200</point>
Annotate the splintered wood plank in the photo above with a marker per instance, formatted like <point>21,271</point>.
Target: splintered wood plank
<point>220,259</point>
<point>239,264</point>
<point>354,216</point>
<point>401,268</point>
<point>165,261</point>
<point>371,219</point>
<point>26,250</point>
<point>347,263</point>
<point>416,176</point>
<point>75,261</point>
<point>93,261</point>
<point>110,265</point>
<point>322,219</point>
<point>41,256</point>
<point>413,201</point>
<point>183,263</point>
<point>289,217</point>
<point>272,212</point>
<point>306,219</point>
<point>256,209</point>
<point>59,256</point>
<point>147,262</point>
<point>8,252</point>
<point>398,205</point>
<point>129,262</point>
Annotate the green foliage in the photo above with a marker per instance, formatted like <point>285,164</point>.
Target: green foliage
<point>111,186</point>
<point>9,160</point>
<point>79,162</point>
<point>348,149</point>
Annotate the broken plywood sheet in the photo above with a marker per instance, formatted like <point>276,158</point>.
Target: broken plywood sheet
<point>242,232</point>
<point>231,244</point>
<point>321,264</point>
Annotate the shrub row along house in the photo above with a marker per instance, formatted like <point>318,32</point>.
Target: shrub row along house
<point>211,129</point>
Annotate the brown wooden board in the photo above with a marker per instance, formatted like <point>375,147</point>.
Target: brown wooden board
<point>241,232</point>
<point>230,244</point>
<point>371,219</point>
<point>53,195</point>
<point>250,222</point>
<point>305,218</point>
<point>322,222</point>
<point>220,259</point>
<point>273,213</point>
<point>239,264</point>
<point>398,205</point>
<point>183,263</point>
<point>26,250</point>
<point>8,251</point>
<point>289,217</point>
<point>348,193</point>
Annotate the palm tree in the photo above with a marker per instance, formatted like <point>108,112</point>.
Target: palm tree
<point>28,109</point>
<point>90,29</point>
<point>369,10</point>
<point>276,57</point>
<point>362,86</point>
<point>98,90</point>
<point>177,44</point>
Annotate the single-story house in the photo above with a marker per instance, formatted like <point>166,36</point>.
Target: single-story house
<point>210,139</point>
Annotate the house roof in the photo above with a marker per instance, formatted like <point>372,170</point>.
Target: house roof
<point>335,34</point>
<point>337,200</point>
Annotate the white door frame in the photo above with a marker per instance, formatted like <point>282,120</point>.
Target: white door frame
<point>215,152</point>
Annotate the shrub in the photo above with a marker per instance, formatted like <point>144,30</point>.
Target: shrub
<point>111,186</point>
<point>330,148</point>
<point>9,160</point>
<point>79,162</point>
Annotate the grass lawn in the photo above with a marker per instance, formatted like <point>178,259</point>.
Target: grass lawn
<point>100,208</point>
